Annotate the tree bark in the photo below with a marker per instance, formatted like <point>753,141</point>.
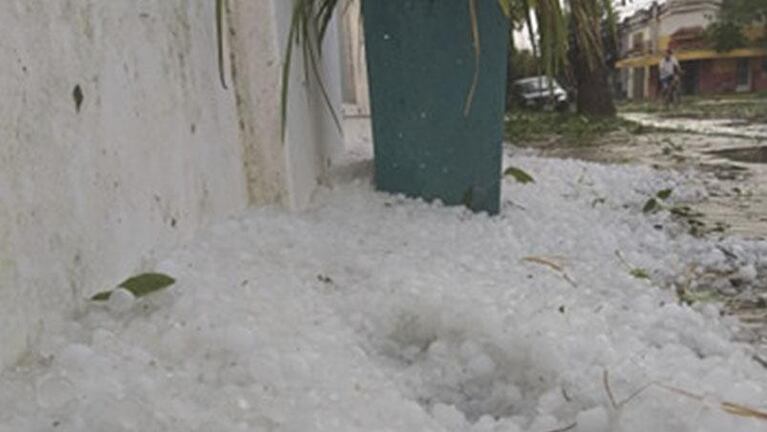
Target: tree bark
<point>594,97</point>
<point>593,89</point>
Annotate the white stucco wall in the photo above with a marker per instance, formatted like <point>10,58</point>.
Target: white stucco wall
<point>156,150</point>
<point>687,14</point>
<point>313,140</point>
<point>289,170</point>
<point>354,60</point>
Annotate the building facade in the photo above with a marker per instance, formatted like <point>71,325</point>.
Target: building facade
<point>680,25</point>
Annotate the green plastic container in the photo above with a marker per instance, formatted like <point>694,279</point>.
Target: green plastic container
<point>421,65</point>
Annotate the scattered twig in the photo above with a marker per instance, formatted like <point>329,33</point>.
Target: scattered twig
<point>636,272</point>
<point>728,407</point>
<point>760,360</point>
<point>548,262</point>
<point>566,428</point>
<point>566,396</point>
<point>624,402</point>
<point>608,390</point>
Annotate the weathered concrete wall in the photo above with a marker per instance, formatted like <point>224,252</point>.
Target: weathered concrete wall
<point>354,61</point>
<point>284,170</point>
<point>313,139</point>
<point>117,141</point>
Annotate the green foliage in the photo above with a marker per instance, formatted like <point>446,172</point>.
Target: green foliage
<point>140,285</point>
<point>525,126</point>
<point>308,25</point>
<point>740,13</point>
<point>692,219</point>
<point>743,11</point>
<point>746,106</point>
<point>636,272</point>
<point>651,206</point>
<point>519,175</point>
<point>310,19</point>
<point>726,36</point>
<point>664,194</point>
<point>639,273</point>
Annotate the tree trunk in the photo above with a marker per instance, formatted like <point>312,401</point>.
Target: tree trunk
<point>510,72</point>
<point>593,89</point>
<point>594,97</point>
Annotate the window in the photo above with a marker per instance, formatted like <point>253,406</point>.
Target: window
<point>638,41</point>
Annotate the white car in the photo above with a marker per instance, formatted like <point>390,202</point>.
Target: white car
<point>540,92</point>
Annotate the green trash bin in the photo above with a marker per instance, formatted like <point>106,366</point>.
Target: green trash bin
<point>421,66</point>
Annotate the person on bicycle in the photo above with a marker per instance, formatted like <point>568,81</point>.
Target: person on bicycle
<point>669,69</point>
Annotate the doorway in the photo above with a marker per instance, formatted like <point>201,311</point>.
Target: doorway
<point>743,75</point>
<point>690,77</point>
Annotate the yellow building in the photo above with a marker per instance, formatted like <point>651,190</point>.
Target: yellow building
<point>680,25</point>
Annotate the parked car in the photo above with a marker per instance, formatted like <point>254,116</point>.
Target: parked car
<point>540,92</point>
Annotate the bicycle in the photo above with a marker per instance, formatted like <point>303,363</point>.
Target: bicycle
<point>671,94</point>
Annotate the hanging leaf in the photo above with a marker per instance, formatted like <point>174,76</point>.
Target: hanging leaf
<point>519,175</point>
<point>140,285</point>
<point>505,7</point>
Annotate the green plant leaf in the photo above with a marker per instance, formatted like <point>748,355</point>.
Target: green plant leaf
<point>140,285</point>
<point>308,25</point>
<point>519,175</point>
<point>665,194</point>
<point>650,206</point>
<point>102,296</point>
<point>505,7</point>
<point>639,273</point>
<point>147,283</point>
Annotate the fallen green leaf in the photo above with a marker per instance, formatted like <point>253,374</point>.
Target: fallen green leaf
<point>102,296</point>
<point>650,206</point>
<point>140,285</point>
<point>664,194</point>
<point>519,175</point>
<point>707,296</point>
<point>640,273</point>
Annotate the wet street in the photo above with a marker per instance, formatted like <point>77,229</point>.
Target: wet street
<point>732,162</point>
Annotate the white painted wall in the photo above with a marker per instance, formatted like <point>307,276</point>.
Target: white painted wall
<point>313,139</point>
<point>157,150</point>
<point>354,60</point>
<point>670,23</point>
<point>686,14</point>
<point>289,170</point>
